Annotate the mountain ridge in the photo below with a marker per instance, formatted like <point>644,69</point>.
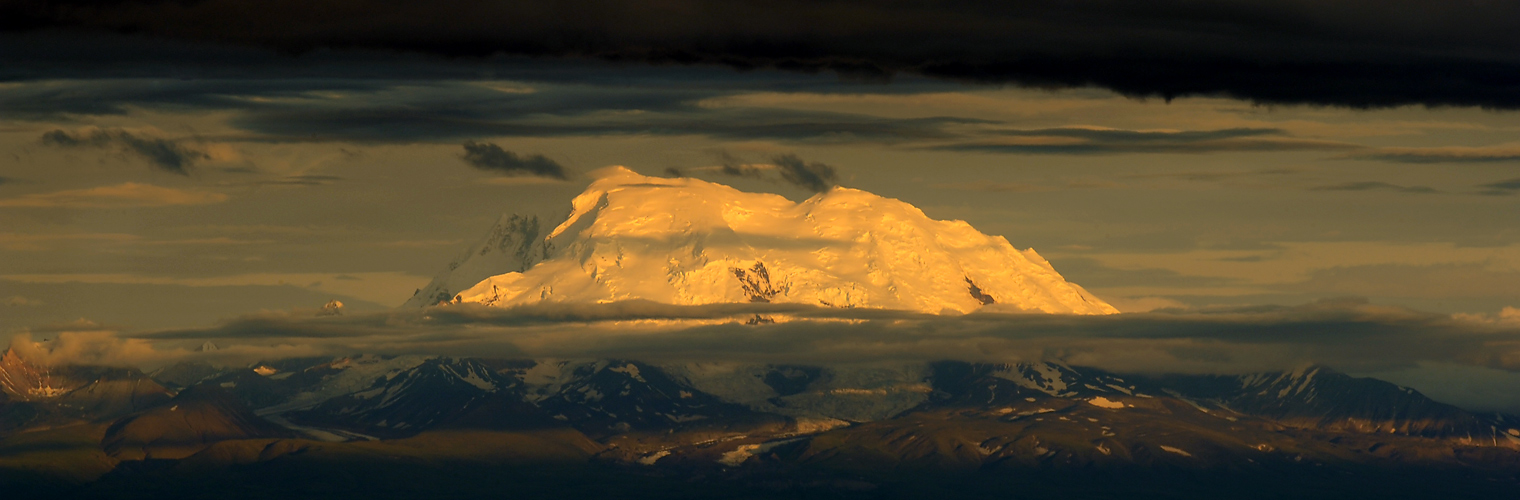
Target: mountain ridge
<point>724,425</point>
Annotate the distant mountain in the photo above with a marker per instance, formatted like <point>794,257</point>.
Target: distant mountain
<point>1318,397</point>
<point>432,393</point>
<point>37,395</point>
<point>24,381</point>
<point>186,425</point>
<point>688,241</point>
<point>968,429</point>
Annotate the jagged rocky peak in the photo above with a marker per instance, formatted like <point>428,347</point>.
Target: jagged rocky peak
<point>27,381</point>
<point>512,245</point>
<point>687,241</point>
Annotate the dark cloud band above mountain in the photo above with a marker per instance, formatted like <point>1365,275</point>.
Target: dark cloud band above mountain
<point>1349,53</point>
<point>813,176</point>
<point>492,158</point>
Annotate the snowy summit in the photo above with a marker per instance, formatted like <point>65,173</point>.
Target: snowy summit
<point>688,241</point>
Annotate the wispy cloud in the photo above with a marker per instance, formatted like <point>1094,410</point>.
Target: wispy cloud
<point>421,243</point>
<point>382,287</point>
<point>299,180</point>
<point>810,175</point>
<point>165,154</point>
<point>1370,268</point>
<point>1087,141</point>
<point>1376,186</point>
<point>1505,187</point>
<point>492,158</point>
<point>1444,154</point>
<point>789,168</point>
<point>44,241</point>
<point>1215,176</point>
<point>126,195</point>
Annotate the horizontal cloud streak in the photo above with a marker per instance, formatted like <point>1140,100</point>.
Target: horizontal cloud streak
<point>1350,335</point>
<point>130,194</point>
<point>1444,154</point>
<point>1113,141</point>
<point>460,110</point>
<point>1376,186</point>
<point>1505,187</point>
<point>165,154</point>
<point>1356,53</point>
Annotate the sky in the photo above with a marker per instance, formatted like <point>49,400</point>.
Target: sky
<point>173,167</point>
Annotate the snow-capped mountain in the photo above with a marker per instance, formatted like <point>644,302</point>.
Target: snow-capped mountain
<point>687,241</point>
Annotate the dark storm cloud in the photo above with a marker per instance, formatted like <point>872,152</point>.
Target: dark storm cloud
<point>165,154</point>
<point>812,176</point>
<point>1350,53</point>
<point>1079,141</point>
<point>61,100</point>
<point>376,110</point>
<point>1376,186</point>
<point>492,158</point>
<point>457,110</point>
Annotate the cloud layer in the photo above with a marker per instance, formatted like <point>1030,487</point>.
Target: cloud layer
<point>1350,335</point>
<point>1351,53</point>
<point>1445,154</point>
<point>165,154</point>
<point>125,195</point>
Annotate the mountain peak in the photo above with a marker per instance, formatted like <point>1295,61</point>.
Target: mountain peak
<point>688,241</point>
